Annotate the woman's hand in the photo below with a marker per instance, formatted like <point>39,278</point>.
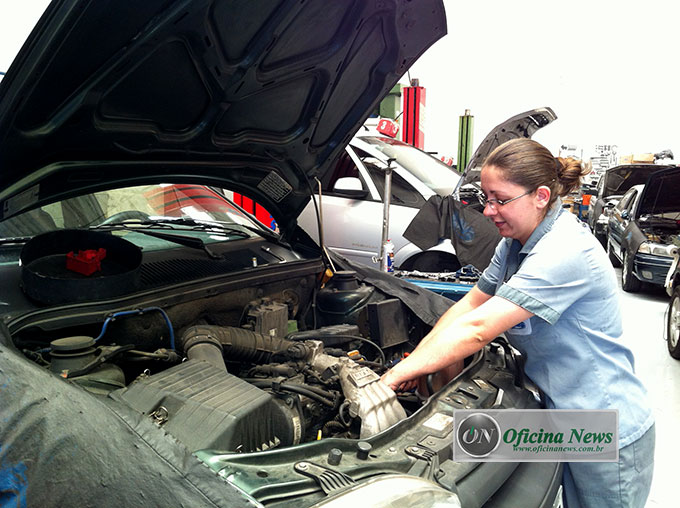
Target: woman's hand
<point>398,383</point>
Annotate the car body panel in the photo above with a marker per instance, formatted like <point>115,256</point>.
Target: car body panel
<point>643,227</point>
<point>178,86</point>
<point>613,184</point>
<point>621,217</point>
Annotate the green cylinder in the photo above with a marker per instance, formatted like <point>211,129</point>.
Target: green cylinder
<point>465,128</point>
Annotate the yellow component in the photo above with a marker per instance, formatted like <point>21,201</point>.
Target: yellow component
<point>353,353</point>
<point>327,275</point>
<point>318,435</point>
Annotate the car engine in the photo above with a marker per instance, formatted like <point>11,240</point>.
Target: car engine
<point>263,380</point>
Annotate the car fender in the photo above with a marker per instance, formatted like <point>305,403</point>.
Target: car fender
<point>632,238</point>
<point>409,250</point>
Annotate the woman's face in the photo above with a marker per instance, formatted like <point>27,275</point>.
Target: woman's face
<point>518,218</point>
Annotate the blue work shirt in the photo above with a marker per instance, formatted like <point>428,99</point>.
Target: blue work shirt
<point>572,344</point>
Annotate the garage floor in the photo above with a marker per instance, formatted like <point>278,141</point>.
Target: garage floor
<point>643,328</point>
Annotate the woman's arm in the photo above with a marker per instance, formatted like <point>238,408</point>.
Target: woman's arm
<point>472,299</point>
<point>457,335</point>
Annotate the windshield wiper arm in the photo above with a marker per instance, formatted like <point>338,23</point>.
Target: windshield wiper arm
<point>169,222</point>
<point>187,241</point>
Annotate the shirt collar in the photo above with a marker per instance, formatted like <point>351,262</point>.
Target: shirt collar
<point>543,227</point>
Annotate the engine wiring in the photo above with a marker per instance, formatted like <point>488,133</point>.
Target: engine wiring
<point>138,312</point>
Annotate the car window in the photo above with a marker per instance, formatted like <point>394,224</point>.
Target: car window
<point>439,177</point>
<point>626,200</point>
<point>194,201</point>
<point>403,193</point>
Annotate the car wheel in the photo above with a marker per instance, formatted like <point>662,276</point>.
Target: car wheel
<point>673,325</point>
<point>612,257</point>
<point>433,261</point>
<point>628,281</point>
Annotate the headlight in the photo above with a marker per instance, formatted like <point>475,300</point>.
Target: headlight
<point>657,249</point>
<point>394,490</point>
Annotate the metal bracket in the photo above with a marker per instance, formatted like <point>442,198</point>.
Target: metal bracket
<point>420,453</point>
<point>160,415</point>
<point>328,479</point>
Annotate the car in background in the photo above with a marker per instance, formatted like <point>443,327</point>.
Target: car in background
<point>643,230</point>
<point>672,325</point>
<point>611,186</point>
<point>158,347</point>
<point>351,201</point>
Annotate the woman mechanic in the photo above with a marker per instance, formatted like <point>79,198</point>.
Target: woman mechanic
<point>551,280</point>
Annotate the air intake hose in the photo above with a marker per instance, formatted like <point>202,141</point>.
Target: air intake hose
<point>211,343</point>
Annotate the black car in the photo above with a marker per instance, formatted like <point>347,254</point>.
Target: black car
<point>611,186</point>
<point>158,346</point>
<point>672,284</point>
<point>643,230</point>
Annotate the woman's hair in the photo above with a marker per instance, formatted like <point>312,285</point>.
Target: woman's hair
<point>531,165</point>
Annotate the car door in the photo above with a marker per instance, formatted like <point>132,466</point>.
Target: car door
<point>348,204</point>
<point>596,203</point>
<point>620,218</point>
<point>352,225</point>
<point>405,202</point>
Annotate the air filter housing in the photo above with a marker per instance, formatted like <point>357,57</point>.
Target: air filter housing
<point>205,407</point>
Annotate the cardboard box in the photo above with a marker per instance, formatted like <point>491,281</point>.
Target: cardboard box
<point>640,158</point>
<point>626,159</point>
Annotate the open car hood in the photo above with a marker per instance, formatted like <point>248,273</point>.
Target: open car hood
<point>660,194</point>
<point>621,178</point>
<point>523,125</point>
<point>258,96</point>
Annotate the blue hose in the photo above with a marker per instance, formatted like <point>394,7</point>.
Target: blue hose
<point>138,312</point>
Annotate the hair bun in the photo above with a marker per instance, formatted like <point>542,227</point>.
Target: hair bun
<point>559,167</point>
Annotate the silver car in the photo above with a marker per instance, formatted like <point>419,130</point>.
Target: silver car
<point>352,194</point>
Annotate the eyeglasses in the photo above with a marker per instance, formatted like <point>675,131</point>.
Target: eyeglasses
<point>494,203</point>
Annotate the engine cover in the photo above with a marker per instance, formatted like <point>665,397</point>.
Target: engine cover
<point>205,407</point>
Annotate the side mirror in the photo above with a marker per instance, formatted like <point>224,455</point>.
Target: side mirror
<point>625,215</point>
<point>349,187</point>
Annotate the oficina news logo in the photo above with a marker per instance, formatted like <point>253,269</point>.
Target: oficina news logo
<point>478,435</point>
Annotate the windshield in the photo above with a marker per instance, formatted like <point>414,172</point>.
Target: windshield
<point>439,177</point>
<point>131,205</point>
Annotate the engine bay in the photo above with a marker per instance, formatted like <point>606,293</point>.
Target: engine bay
<point>273,365</point>
<point>661,229</point>
<point>262,374</point>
